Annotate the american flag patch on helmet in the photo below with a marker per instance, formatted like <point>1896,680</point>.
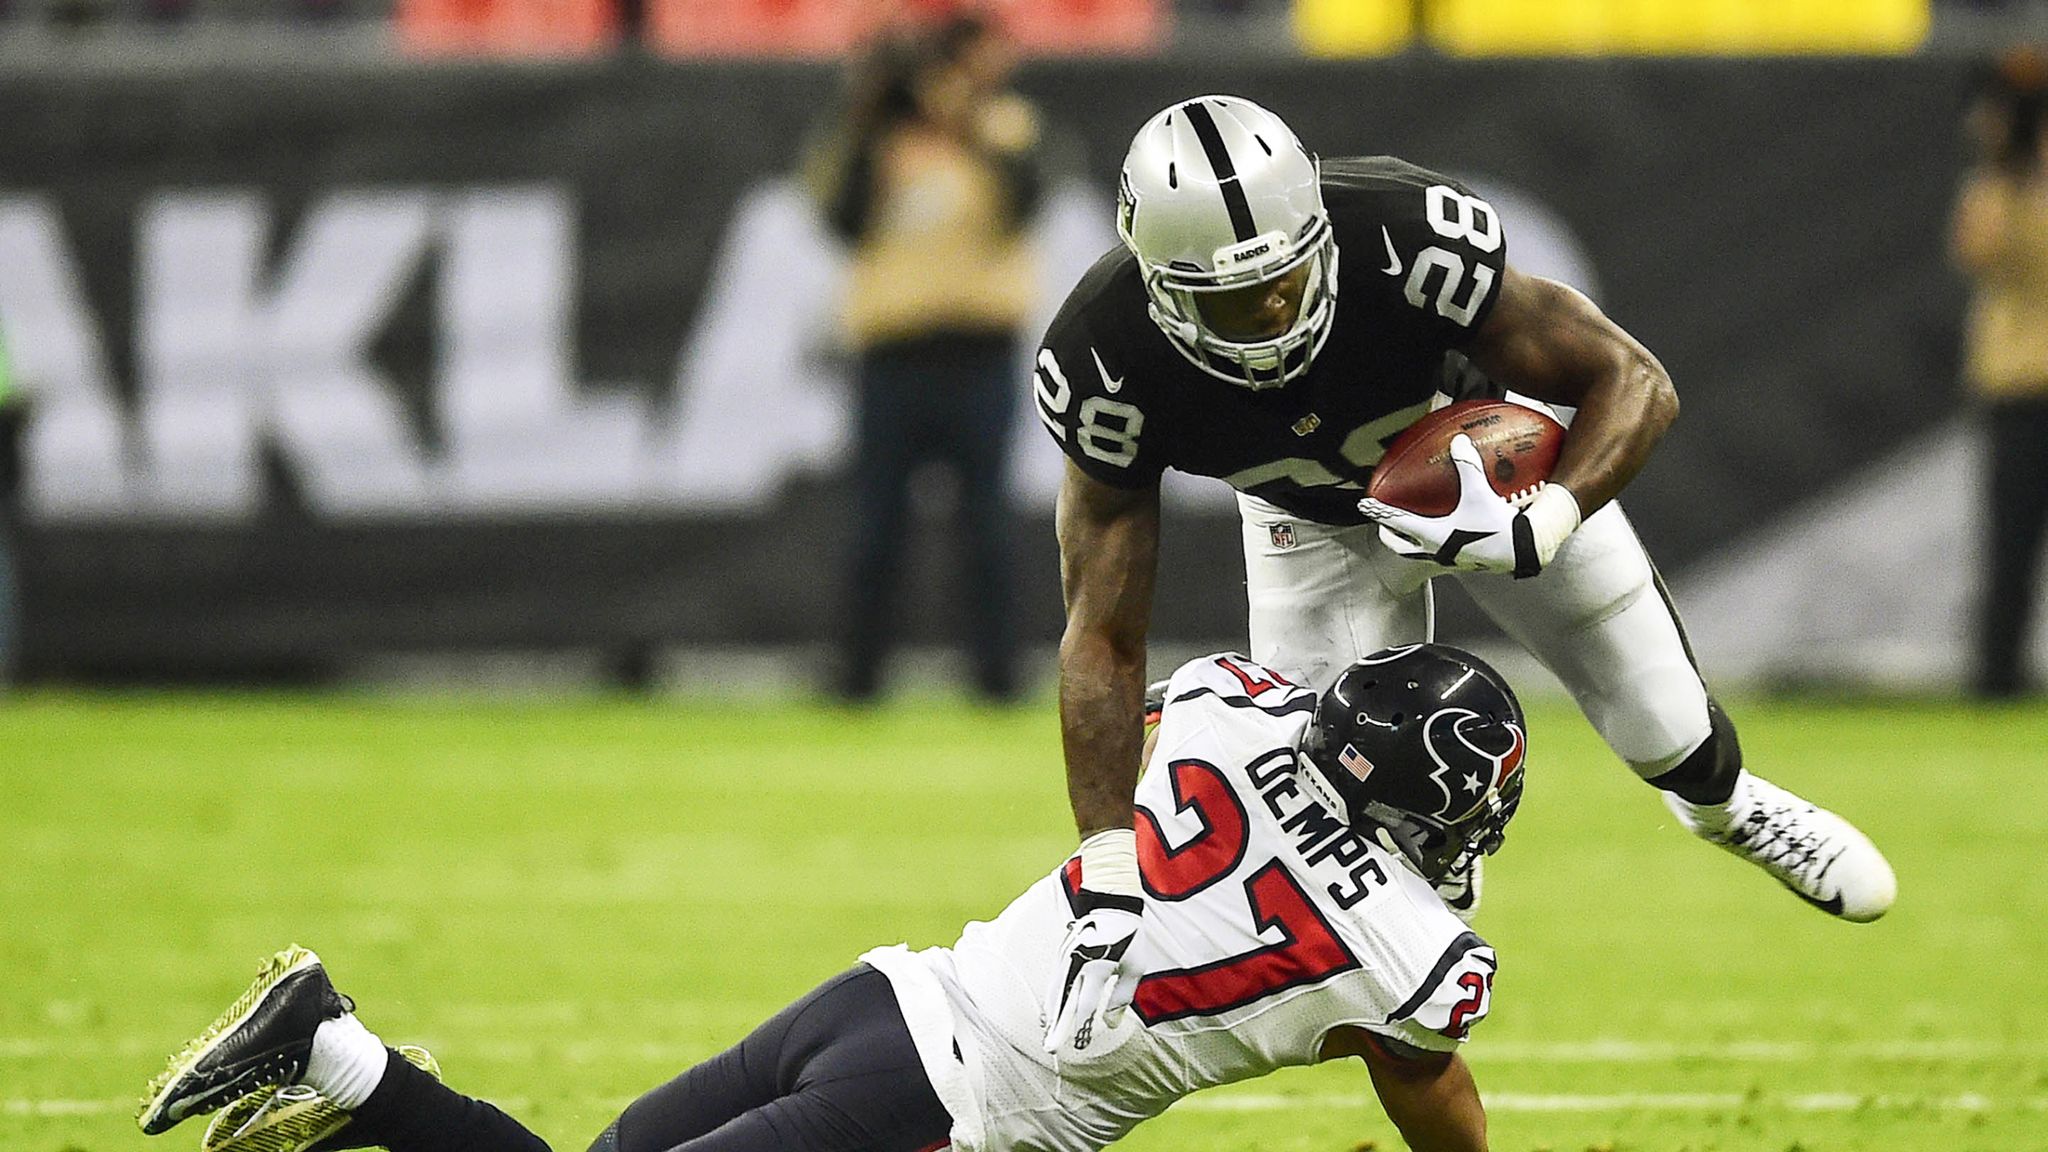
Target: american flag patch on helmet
<point>1354,762</point>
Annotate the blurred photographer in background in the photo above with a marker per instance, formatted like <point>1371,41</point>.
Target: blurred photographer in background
<point>930,176</point>
<point>1999,237</point>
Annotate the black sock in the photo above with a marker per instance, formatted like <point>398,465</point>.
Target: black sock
<point>412,1112</point>
<point>1708,775</point>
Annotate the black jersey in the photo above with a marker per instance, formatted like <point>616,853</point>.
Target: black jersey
<point>1421,261</point>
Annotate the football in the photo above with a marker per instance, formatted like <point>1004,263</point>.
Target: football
<point>1518,444</point>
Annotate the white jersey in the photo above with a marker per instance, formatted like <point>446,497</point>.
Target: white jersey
<point>1267,924</point>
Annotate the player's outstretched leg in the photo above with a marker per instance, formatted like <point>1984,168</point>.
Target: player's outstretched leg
<point>262,1040</point>
<point>291,1031</point>
<point>1821,857</point>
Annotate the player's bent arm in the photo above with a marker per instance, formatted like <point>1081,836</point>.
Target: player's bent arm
<point>1546,340</point>
<point>1109,555</point>
<point>1430,1096</point>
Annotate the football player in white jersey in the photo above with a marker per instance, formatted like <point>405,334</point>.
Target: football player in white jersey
<point>1288,844</point>
<point>1215,341</point>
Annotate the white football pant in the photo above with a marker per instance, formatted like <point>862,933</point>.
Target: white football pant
<point>1322,596</point>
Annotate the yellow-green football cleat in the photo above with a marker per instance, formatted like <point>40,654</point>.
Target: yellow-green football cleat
<point>262,1040</point>
<point>291,1117</point>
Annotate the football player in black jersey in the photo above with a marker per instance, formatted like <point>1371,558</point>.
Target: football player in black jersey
<point>1216,340</point>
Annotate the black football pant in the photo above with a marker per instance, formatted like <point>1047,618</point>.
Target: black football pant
<point>2017,443</point>
<point>834,1072</point>
<point>941,400</point>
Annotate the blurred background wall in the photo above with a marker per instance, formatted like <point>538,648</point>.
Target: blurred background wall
<point>357,330</point>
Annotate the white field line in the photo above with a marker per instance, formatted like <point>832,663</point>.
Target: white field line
<point>1600,1051</point>
<point>1503,1102</point>
<point>1813,1102</point>
<point>1618,1051</point>
<point>1481,1051</point>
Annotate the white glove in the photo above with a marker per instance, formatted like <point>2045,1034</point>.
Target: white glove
<point>1097,974</point>
<point>1486,532</point>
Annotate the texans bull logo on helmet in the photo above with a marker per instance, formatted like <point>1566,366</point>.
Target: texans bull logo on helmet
<point>1474,757</point>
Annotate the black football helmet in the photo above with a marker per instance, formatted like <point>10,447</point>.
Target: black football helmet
<point>1422,745</point>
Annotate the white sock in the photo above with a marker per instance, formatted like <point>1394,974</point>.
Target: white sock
<point>347,1062</point>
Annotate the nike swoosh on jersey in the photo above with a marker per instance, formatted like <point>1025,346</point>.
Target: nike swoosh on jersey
<point>1393,267</point>
<point>1111,384</point>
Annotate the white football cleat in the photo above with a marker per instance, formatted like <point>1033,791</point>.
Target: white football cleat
<point>1821,857</point>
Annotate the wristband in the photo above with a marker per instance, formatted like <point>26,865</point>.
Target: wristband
<point>1553,515</point>
<point>1109,862</point>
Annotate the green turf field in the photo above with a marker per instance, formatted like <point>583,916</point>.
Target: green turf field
<point>570,902</point>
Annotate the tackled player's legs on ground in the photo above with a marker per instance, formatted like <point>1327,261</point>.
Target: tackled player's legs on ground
<point>411,1111</point>
<point>836,1071</point>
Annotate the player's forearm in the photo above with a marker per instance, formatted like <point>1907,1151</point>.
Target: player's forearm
<point>1437,1110</point>
<point>1547,340</point>
<point>1109,552</point>
<point>1102,689</point>
<point>1622,416</point>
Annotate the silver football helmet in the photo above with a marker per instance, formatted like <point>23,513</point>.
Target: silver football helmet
<point>1218,195</point>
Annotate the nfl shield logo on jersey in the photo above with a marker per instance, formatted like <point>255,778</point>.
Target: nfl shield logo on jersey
<point>1282,534</point>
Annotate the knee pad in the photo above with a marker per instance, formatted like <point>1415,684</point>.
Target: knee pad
<point>1707,774</point>
<point>607,1140</point>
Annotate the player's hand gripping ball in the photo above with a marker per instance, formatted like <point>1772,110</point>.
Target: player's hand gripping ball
<point>1500,514</point>
<point>1518,446</point>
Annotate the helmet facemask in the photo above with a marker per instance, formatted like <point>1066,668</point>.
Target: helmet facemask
<point>1432,847</point>
<point>1420,748</point>
<point>1218,196</point>
<point>1436,849</point>
<point>1176,292</point>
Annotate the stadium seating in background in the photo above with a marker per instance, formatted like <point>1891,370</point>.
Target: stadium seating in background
<point>1353,27</point>
<point>1087,25</point>
<point>508,27</point>
<point>833,27</point>
<point>756,27</point>
<point>1677,27</point>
